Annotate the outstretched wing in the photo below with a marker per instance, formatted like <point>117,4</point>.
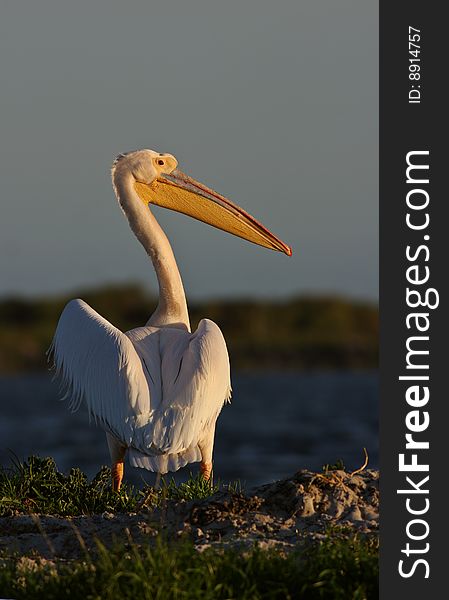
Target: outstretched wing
<point>196,384</point>
<point>98,363</point>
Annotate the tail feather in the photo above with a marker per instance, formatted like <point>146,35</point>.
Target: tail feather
<point>163,463</point>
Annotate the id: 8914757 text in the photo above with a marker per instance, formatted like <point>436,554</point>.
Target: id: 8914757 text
<point>414,65</point>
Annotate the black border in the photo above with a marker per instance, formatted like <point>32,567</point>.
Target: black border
<point>405,127</point>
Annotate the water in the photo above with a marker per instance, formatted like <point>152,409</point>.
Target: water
<point>277,424</point>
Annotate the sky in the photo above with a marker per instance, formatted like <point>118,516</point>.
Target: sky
<point>273,104</point>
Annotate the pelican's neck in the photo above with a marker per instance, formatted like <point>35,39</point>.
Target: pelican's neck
<point>172,307</point>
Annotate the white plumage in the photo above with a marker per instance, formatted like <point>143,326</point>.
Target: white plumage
<point>156,390</point>
<point>159,390</point>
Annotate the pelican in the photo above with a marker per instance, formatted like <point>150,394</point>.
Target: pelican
<point>156,390</point>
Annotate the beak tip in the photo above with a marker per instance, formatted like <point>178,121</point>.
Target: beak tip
<point>288,251</point>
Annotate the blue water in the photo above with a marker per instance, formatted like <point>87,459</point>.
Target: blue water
<point>278,423</point>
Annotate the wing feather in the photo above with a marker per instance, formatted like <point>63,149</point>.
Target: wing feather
<point>98,363</point>
<point>196,378</point>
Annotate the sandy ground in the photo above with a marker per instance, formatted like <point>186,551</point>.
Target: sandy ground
<point>282,514</point>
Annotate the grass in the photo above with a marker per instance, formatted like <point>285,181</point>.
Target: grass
<point>336,466</point>
<point>36,486</point>
<point>337,568</point>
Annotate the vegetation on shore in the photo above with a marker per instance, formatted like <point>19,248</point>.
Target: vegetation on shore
<point>340,563</point>
<point>36,486</point>
<point>302,332</point>
<point>335,568</point>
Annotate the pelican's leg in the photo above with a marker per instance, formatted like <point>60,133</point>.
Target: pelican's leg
<point>206,469</point>
<point>206,446</point>
<point>117,451</point>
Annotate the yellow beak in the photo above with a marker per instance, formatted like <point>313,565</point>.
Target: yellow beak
<point>177,191</point>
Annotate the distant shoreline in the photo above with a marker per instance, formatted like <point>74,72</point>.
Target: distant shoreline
<point>305,332</point>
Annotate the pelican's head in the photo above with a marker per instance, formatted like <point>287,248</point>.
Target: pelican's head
<point>157,180</point>
<point>144,165</point>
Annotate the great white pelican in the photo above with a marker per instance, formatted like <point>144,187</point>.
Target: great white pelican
<point>157,390</point>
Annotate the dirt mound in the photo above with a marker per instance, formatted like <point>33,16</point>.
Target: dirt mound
<point>284,513</point>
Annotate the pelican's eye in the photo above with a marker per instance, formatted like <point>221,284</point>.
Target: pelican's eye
<point>160,162</point>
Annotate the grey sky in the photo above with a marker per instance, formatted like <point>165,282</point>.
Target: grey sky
<point>274,104</point>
